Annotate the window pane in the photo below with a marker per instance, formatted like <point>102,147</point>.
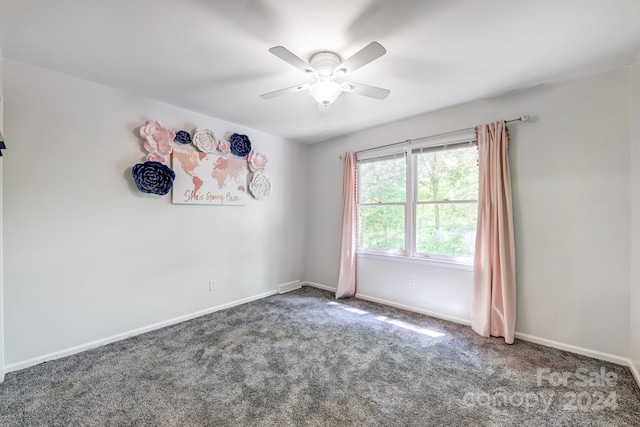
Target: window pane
<point>383,181</point>
<point>448,175</point>
<point>446,229</point>
<point>381,227</point>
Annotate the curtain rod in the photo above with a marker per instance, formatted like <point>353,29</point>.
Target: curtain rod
<point>525,118</point>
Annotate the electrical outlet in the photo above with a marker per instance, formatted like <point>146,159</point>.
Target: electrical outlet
<point>412,282</point>
<point>213,285</point>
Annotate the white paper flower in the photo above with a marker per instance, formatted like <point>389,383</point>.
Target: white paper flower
<point>260,185</point>
<point>205,140</point>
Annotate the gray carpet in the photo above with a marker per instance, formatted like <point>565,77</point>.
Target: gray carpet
<point>304,359</point>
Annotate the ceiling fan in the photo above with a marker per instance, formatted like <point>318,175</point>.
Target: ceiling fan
<point>327,68</point>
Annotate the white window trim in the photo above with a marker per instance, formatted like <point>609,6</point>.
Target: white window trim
<point>415,260</point>
<point>410,253</point>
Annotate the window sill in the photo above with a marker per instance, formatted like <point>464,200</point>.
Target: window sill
<point>416,260</point>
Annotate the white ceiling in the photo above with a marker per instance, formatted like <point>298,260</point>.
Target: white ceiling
<point>212,56</point>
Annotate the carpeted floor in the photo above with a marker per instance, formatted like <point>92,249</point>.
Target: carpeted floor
<point>305,359</point>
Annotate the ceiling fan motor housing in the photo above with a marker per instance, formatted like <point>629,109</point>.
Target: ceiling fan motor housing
<point>325,63</point>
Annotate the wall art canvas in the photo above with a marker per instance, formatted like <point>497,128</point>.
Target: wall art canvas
<point>208,179</point>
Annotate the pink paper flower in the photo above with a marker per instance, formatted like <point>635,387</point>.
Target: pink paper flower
<point>157,139</point>
<point>224,146</point>
<point>257,161</point>
<point>155,157</point>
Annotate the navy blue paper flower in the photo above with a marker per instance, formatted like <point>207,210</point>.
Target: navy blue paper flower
<point>153,177</point>
<point>182,137</point>
<point>240,145</point>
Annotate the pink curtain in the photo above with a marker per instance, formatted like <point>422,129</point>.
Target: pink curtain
<point>494,275</point>
<point>348,240</point>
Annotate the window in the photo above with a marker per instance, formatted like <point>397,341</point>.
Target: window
<point>420,204</point>
<point>382,203</point>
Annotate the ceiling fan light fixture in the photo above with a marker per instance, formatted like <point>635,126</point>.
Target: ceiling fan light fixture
<point>327,67</point>
<point>325,90</point>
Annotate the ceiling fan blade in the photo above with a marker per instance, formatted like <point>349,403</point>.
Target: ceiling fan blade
<point>366,90</point>
<point>288,56</point>
<point>373,50</point>
<point>288,90</point>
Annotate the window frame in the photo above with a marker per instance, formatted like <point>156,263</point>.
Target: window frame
<point>392,252</point>
<point>411,203</point>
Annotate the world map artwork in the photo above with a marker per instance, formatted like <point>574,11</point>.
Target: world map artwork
<point>208,179</point>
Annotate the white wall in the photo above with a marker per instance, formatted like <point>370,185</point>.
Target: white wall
<point>88,256</point>
<point>634,333</point>
<point>570,169</point>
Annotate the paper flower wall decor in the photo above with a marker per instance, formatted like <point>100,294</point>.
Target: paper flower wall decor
<point>205,140</point>
<point>257,161</point>
<point>153,177</point>
<point>155,157</point>
<point>224,146</point>
<point>240,145</point>
<point>260,185</point>
<point>157,139</point>
<point>182,137</point>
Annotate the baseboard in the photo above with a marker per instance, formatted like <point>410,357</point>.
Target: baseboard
<point>319,286</point>
<point>575,349</point>
<point>104,341</point>
<point>288,287</point>
<point>415,309</point>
